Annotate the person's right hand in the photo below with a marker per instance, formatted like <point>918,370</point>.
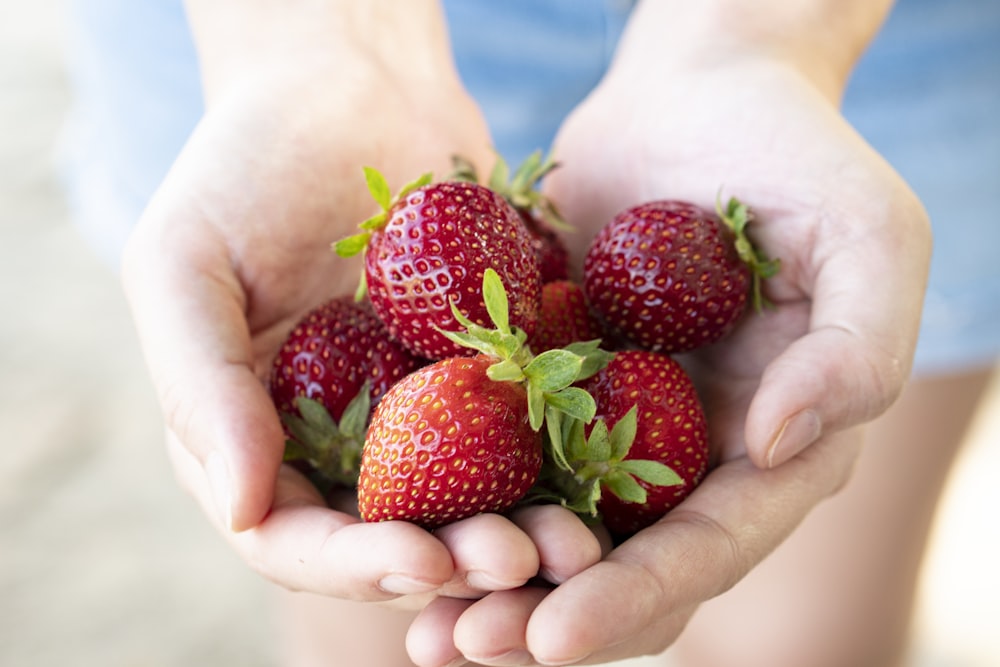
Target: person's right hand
<point>235,247</point>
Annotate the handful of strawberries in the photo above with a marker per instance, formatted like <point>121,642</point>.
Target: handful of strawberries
<point>470,373</point>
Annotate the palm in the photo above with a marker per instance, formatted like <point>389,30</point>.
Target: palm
<point>816,188</point>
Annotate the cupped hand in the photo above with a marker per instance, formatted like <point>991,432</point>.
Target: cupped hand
<point>232,250</point>
<point>783,393</point>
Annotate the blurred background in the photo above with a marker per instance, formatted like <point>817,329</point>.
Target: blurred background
<point>104,561</point>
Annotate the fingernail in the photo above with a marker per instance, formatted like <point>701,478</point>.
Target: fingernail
<point>798,432</point>
<point>513,658</point>
<point>399,584</point>
<point>559,663</point>
<point>487,582</point>
<point>220,482</point>
<point>548,575</point>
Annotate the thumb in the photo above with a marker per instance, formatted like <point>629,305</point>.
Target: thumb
<point>856,356</point>
<point>188,308</point>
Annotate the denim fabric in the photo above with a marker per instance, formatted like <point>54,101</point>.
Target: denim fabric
<point>926,95</point>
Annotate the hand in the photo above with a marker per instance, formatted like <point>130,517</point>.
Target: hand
<point>233,249</point>
<point>782,394</point>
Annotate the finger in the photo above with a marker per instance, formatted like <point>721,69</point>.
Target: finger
<point>303,545</point>
<point>492,631</point>
<point>699,550</point>
<point>429,640</point>
<point>566,546</point>
<point>866,299</point>
<point>194,335</point>
<point>490,554</point>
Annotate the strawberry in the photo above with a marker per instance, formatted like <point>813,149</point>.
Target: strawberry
<point>461,436</point>
<point>646,449</point>
<point>540,215</point>
<point>336,362</point>
<point>448,442</point>
<point>670,276</point>
<point>564,317</point>
<point>429,247</point>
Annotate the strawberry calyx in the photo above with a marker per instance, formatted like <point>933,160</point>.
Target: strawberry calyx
<point>548,377</point>
<point>521,188</point>
<point>381,193</point>
<point>332,450</point>
<point>736,216</point>
<point>379,188</point>
<point>586,465</point>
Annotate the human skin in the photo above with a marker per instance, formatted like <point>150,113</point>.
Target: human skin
<point>235,246</point>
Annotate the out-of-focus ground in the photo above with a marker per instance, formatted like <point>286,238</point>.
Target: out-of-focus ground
<point>104,561</point>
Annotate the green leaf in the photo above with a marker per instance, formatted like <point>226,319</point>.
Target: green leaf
<point>553,217</point>
<point>507,370</point>
<point>623,434</point>
<point>315,413</point>
<point>584,502</point>
<point>575,439</point>
<point>737,217</point>
<point>361,291</point>
<point>354,421</point>
<point>554,370</point>
<point>378,187</point>
<point>594,362</point>
<point>495,298</point>
<point>294,451</point>
<point>557,444</point>
<point>468,340</point>
<point>574,402</point>
<point>352,245</point>
<point>625,487</point>
<point>767,268</point>
<point>651,472</point>
<point>526,174</point>
<point>583,347</point>
<point>463,170</point>
<point>419,182</point>
<point>536,407</point>
<point>599,443</point>
<point>499,175</point>
<point>374,223</point>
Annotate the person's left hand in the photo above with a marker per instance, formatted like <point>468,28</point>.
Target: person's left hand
<point>834,350</point>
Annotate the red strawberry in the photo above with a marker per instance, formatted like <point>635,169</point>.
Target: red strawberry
<point>462,435</point>
<point>672,277</point>
<point>447,442</point>
<point>564,317</point>
<point>430,247</point>
<point>646,449</point>
<point>338,355</point>
<point>539,214</point>
<point>670,428</point>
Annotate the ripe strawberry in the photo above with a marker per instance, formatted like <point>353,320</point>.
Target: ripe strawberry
<point>564,317</point>
<point>646,449</point>
<point>462,435</point>
<point>670,428</point>
<point>539,214</point>
<point>335,363</point>
<point>429,247</point>
<point>672,277</point>
<point>447,442</point>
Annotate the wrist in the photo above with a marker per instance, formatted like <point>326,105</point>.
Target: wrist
<point>820,39</point>
<point>245,42</point>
